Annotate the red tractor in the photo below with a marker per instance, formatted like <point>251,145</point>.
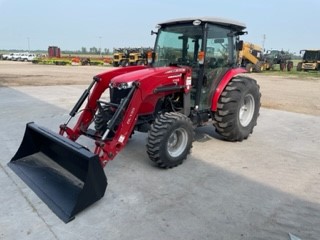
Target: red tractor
<point>192,79</point>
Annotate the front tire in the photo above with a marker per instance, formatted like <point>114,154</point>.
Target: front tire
<point>102,118</point>
<point>170,139</point>
<point>238,109</point>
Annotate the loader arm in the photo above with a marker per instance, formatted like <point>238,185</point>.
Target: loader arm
<point>101,84</point>
<point>107,149</point>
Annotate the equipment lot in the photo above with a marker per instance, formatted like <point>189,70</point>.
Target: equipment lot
<point>262,188</point>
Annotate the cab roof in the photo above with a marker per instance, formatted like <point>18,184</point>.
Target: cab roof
<point>214,20</point>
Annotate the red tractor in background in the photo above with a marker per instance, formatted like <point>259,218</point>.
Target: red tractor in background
<point>192,79</point>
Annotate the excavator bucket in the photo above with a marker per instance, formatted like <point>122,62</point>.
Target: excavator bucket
<point>64,174</point>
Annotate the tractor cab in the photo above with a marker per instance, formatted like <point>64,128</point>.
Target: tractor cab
<point>207,45</point>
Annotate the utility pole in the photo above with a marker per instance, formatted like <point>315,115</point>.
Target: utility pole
<point>100,45</point>
<point>263,41</point>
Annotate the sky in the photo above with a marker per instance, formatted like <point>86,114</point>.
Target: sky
<point>72,24</point>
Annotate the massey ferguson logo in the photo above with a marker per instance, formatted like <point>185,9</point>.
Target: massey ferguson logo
<point>179,70</point>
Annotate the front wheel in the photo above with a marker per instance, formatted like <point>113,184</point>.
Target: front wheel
<point>238,109</point>
<point>170,139</point>
<point>124,63</point>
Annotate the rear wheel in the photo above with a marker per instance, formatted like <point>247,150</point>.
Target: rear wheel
<point>289,66</point>
<point>299,66</point>
<point>238,109</point>
<point>259,67</point>
<point>249,67</point>
<point>170,139</point>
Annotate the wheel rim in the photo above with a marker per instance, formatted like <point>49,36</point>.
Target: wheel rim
<point>177,142</point>
<point>247,110</point>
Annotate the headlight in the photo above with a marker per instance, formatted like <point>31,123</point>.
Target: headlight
<point>121,85</point>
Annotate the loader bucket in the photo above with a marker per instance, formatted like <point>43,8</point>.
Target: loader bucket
<point>64,174</point>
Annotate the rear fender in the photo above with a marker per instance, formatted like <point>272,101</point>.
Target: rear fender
<point>223,83</point>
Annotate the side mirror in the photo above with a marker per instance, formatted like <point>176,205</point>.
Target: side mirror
<point>239,45</point>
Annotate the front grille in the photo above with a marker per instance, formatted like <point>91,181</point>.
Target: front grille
<point>116,95</point>
<point>309,66</point>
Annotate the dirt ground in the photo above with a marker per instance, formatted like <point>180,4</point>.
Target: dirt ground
<point>283,93</point>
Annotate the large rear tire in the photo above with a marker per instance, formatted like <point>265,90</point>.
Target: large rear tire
<point>238,109</point>
<point>299,67</point>
<point>289,66</point>
<point>170,139</point>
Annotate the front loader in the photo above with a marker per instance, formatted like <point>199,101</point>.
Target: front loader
<point>191,79</point>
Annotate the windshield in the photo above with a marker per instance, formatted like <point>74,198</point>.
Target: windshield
<point>273,53</point>
<point>178,45</point>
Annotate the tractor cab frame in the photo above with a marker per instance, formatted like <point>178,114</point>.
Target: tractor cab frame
<point>207,45</point>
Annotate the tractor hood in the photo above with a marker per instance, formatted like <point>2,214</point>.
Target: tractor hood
<point>151,72</point>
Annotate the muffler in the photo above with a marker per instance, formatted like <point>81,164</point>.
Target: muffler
<point>64,174</point>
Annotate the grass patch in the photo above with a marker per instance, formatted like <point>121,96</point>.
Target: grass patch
<point>52,61</point>
<point>293,73</point>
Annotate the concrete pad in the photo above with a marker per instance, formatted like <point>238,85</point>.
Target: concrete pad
<point>263,188</point>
